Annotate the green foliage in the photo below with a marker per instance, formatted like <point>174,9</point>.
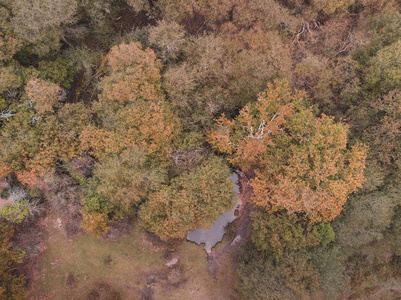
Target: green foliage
<point>191,140</point>
<point>269,13</point>
<point>96,203</point>
<point>57,71</point>
<point>331,263</point>
<point>41,22</point>
<point>193,200</point>
<point>168,38</point>
<point>127,179</point>
<point>384,71</point>
<point>293,277</point>
<point>83,59</point>
<point>221,75</point>
<point>384,30</point>
<point>277,234</point>
<point>9,42</point>
<point>366,218</point>
<point>9,78</point>
<point>15,212</point>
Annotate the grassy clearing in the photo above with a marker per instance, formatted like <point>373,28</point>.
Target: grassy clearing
<point>124,265</point>
<point>121,264</point>
<point>191,280</point>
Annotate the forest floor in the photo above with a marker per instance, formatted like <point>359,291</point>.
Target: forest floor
<point>133,267</point>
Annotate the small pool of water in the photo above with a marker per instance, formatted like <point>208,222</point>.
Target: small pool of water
<point>215,233</point>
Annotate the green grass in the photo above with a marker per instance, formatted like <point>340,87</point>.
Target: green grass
<point>85,257</point>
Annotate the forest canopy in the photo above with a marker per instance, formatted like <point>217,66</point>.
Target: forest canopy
<point>138,112</point>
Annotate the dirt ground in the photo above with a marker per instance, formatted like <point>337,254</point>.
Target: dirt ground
<point>131,267</point>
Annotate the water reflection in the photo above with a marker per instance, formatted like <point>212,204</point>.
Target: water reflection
<point>215,233</point>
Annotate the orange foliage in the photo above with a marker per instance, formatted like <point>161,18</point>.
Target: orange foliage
<point>135,74</point>
<point>131,94</point>
<point>43,93</point>
<point>96,223</point>
<point>301,162</point>
<point>29,177</point>
<point>4,171</point>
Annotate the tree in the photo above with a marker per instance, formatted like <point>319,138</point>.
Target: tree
<point>41,22</point>
<point>95,222</point>
<point>134,75</point>
<point>292,277</point>
<point>193,200</point>
<point>10,43</point>
<point>126,179</point>
<point>11,285</point>
<point>131,107</point>
<point>212,11</point>
<point>384,132</point>
<point>15,212</point>
<point>384,71</point>
<point>32,144</point>
<point>281,233</point>
<point>330,6</point>
<point>266,14</point>
<point>168,37</point>
<point>43,93</point>
<point>301,161</point>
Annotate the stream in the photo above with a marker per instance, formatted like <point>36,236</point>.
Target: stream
<point>215,233</point>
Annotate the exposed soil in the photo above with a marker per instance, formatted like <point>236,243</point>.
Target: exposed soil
<point>119,229</point>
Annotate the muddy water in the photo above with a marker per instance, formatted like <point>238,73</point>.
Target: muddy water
<point>215,233</point>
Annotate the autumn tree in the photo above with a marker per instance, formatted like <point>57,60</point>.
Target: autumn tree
<point>43,94</point>
<point>36,137</point>
<point>193,200</point>
<point>131,107</point>
<point>301,161</point>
